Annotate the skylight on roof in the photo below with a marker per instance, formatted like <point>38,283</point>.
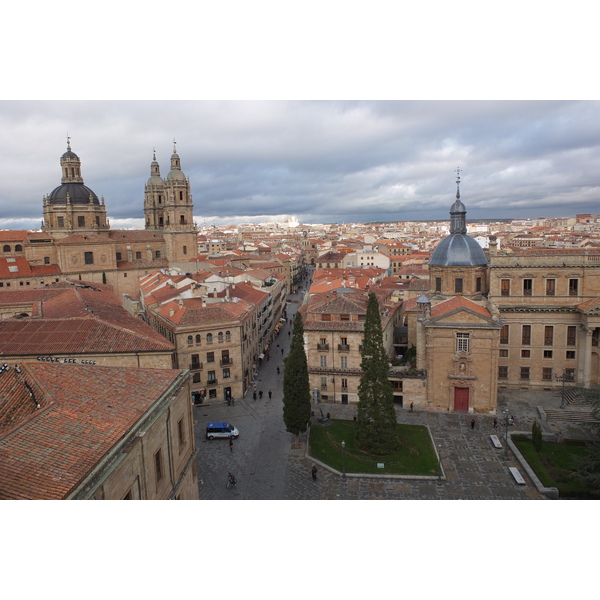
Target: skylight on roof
<point>13,269</point>
<point>11,260</point>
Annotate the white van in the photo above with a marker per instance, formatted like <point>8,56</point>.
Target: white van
<point>221,430</point>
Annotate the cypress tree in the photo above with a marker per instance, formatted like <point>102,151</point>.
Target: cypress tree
<point>376,426</point>
<point>296,387</point>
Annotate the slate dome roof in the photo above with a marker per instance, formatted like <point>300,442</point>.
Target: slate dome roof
<point>78,194</point>
<point>458,249</point>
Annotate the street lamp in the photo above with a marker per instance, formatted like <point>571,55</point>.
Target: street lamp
<point>505,413</point>
<point>343,460</point>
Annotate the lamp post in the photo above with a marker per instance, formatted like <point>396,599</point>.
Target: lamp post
<point>343,460</point>
<point>505,413</point>
<point>562,394</point>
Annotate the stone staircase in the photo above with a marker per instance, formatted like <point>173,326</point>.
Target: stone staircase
<point>577,407</point>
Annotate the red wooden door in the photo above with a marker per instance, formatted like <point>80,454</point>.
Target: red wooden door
<point>461,399</point>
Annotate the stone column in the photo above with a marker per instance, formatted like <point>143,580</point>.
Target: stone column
<point>587,357</point>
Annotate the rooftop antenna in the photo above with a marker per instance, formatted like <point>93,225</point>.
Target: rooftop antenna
<point>457,182</point>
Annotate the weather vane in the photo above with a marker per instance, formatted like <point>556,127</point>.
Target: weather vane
<point>458,175</point>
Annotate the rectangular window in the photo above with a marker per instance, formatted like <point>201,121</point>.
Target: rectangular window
<point>157,254</point>
<point>550,287</point>
<point>502,372</point>
<point>438,284</point>
<point>504,335</point>
<point>138,256</point>
<point>344,317</point>
<point>569,375</point>
<point>527,287</point>
<point>60,221</point>
<point>525,372</point>
<point>573,287</point>
<point>185,249</point>
<point>210,357</point>
<point>212,377</point>
<point>571,335</point>
<point>547,353</point>
<point>504,353</point>
<point>118,256</point>
<point>570,355</point>
<point>458,285</point>
<point>344,362</point>
<point>478,284</point>
<point>595,336</point>
<point>526,335</point>
<point>548,335</point>
<point>46,260</point>
<point>323,361</point>
<point>195,361</point>
<point>323,383</point>
<point>547,373</point>
<point>325,317</point>
<point>226,373</point>
<point>322,341</point>
<point>158,466</point>
<point>80,221</point>
<point>88,258</point>
<point>181,434</point>
<point>525,353</point>
<point>505,287</point>
<point>462,342</point>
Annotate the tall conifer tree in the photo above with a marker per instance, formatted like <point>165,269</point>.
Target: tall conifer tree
<point>376,429</point>
<point>296,387</point>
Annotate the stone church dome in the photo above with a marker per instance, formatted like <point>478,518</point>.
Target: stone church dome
<point>78,194</point>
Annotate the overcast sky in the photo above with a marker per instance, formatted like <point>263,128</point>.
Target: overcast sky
<point>321,161</point>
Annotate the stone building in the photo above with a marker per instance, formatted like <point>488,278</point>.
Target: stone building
<point>333,337</point>
<point>81,432</point>
<point>76,241</point>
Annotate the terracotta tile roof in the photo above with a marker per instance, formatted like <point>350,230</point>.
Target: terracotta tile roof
<point>79,320</point>
<point>17,266</point>
<point>191,311</point>
<point>248,293</point>
<point>456,303</point>
<point>13,236</point>
<point>85,411</point>
<point>81,238</point>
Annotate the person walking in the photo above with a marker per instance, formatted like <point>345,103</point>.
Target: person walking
<point>472,423</point>
<point>411,407</point>
<point>270,394</point>
<point>254,395</point>
<point>313,472</point>
<point>230,444</point>
<point>260,393</point>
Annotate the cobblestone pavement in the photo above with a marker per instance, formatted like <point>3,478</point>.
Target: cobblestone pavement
<point>268,466</point>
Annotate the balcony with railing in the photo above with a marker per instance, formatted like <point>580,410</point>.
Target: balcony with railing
<point>225,362</point>
<point>323,347</point>
<point>196,366</point>
<point>343,348</point>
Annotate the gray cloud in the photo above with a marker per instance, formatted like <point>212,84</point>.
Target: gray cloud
<point>322,161</point>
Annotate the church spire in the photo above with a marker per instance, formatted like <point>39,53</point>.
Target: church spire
<point>458,212</point>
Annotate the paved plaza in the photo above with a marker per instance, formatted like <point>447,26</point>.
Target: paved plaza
<point>269,467</point>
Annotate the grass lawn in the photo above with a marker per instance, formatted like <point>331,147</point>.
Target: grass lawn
<point>554,465</point>
<point>416,456</point>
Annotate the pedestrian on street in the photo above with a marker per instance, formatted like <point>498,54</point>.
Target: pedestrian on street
<point>254,395</point>
<point>282,351</point>
<point>411,407</point>
<point>260,394</point>
<point>232,401</point>
<point>270,394</point>
<point>230,444</point>
<point>277,370</point>
<point>472,423</point>
<point>495,423</point>
<point>313,472</point>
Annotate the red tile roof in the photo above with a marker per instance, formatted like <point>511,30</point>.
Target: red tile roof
<point>455,303</point>
<point>79,320</point>
<point>85,411</point>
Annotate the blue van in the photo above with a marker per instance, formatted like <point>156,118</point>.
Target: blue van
<point>221,430</point>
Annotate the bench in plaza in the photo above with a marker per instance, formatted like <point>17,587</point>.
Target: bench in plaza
<point>496,441</point>
<point>518,477</point>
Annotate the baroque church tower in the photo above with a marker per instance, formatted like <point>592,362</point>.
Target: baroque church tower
<point>73,207</point>
<point>168,208</point>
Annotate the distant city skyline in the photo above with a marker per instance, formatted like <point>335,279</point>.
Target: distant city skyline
<point>321,161</point>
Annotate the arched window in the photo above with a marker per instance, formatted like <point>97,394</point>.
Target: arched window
<point>228,335</point>
<point>220,336</point>
<point>18,248</point>
<point>209,338</point>
<point>198,338</point>
<point>6,248</point>
<point>190,340</point>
